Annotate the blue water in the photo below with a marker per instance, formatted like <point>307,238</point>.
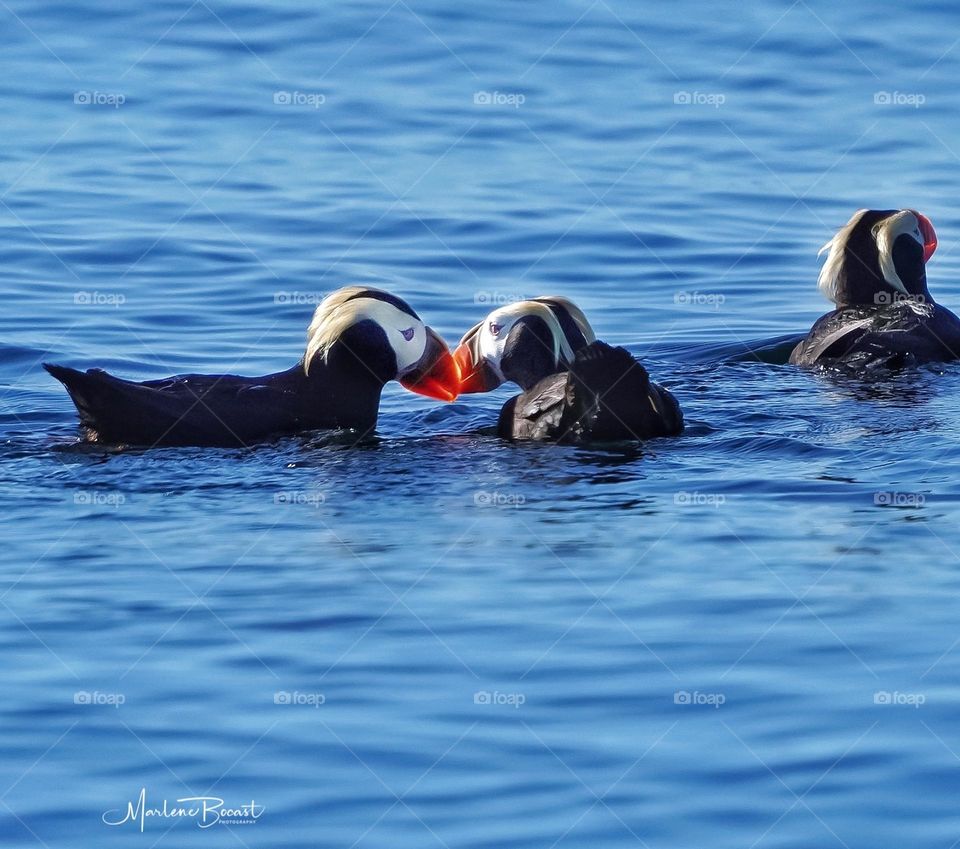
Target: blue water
<point>744,637</point>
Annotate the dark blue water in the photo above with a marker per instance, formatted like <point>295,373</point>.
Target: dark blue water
<point>745,637</point>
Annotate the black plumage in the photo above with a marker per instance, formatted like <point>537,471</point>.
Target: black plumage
<point>349,366</point>
<point>605,396</point>
<point>885,315</point>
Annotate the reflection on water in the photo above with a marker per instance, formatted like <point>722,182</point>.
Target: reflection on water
<point>908,388</point>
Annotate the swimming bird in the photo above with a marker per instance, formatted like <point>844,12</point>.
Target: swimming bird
<point>576,389</point>
<point>359,339</point>
<point>875,273</point>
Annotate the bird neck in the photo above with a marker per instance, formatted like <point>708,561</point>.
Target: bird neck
<point>345,390</point>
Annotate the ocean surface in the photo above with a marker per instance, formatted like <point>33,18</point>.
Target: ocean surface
<point>748,636</point>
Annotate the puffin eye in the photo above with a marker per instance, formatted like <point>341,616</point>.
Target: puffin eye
<point>407,334</point>
<point>495,328</point>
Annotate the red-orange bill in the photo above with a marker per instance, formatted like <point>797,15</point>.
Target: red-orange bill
<point>440,381</point>
<point>929,236</point>
<point>474,377</point>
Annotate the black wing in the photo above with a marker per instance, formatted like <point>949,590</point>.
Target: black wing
<point>537,413</point>
<point>611,397</point>
<point>891,336</point>
<point>607,396</point>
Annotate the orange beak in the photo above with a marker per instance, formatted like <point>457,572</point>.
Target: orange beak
<point>474,376</point>
<point>929,236</point>
<point>438,375</point>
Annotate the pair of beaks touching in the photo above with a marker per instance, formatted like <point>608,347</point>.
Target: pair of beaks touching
<point>360,339</point>
<point>575,388</point>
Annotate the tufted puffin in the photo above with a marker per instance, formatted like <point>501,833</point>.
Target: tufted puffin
<point>359,339</point>
<point>576,389</point>
<point>875,273</point>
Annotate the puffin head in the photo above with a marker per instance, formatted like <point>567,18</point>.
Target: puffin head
<point>522,342</point>
<point>377,337</point>
<point>878,257</point>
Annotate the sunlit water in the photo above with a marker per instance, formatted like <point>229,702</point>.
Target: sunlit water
<point>744,637</point>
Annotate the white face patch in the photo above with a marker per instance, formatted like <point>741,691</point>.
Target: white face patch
<point>493,331</point>
<point>487,339</point>
<point>406,335</point>
<point>885,233</point>
<point>492,337</point>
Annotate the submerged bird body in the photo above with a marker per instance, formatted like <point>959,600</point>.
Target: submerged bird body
<point>875,273</point>
<point>576,389</point>
<point>196,409</point>
<point>890,336</point>
<point>359,340</point>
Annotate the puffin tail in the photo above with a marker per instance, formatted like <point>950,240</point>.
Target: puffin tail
<point>89,391</point>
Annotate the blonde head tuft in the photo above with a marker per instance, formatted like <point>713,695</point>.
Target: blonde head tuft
<point>341,310</point>
<point>577,314</point>
<point>829,279</point>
